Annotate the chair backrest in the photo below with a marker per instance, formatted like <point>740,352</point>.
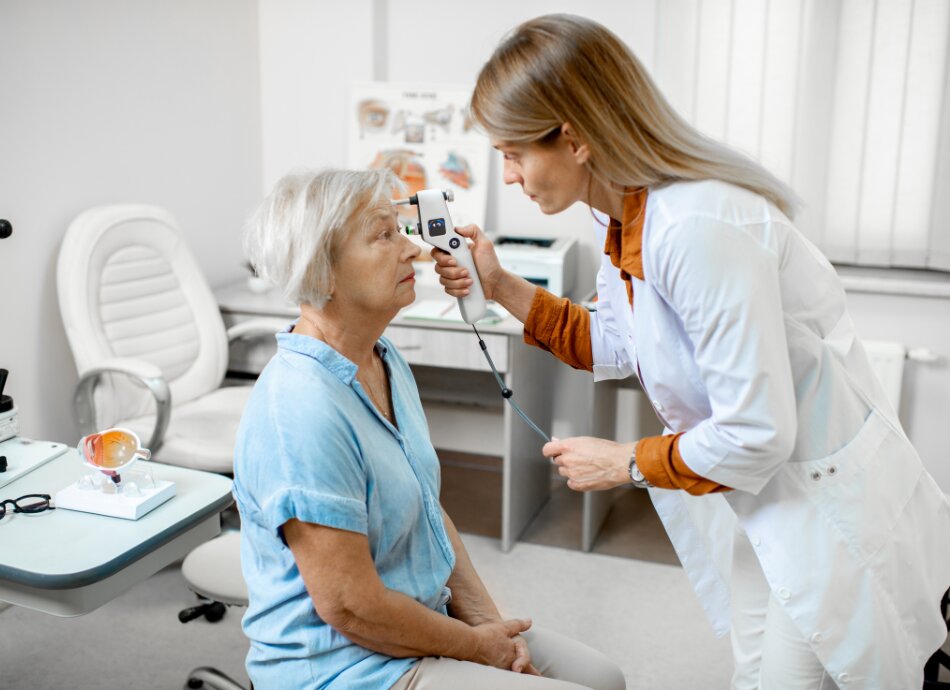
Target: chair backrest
<point>129,287</point>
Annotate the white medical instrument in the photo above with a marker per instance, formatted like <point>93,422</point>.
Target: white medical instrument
<point>435,226</point>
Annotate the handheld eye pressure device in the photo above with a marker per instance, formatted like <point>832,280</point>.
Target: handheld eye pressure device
<point>435,227</point>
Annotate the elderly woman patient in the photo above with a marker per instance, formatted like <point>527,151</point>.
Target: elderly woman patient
<point>357,577</point>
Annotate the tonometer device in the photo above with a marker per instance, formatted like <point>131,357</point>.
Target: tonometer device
<point>436,228</point>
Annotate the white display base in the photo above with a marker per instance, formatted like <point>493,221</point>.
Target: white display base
<point>114,505</point>
<point>24,454</point>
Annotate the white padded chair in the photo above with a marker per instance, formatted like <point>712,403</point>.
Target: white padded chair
<point>139,313</point>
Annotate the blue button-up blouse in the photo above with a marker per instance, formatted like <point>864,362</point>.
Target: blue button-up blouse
<point>312,446</point>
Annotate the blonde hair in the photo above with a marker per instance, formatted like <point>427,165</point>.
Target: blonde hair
<point>294,237</point>
<point>561,68</point>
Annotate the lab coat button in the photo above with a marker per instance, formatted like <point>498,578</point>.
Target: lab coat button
<point>657,405</point>
<point>756,541</point>
<point>817,637</point>
<point>816,475</point>
<point>783,593</point>
<point>843,677</point>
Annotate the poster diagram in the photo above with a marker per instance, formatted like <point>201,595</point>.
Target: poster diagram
<point>422,132</point>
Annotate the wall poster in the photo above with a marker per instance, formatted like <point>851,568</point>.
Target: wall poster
<point>424,134</point>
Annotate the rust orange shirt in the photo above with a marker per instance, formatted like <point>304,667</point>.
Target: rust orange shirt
<point>563,328</point>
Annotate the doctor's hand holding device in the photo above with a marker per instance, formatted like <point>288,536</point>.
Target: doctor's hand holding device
<point>435,227</point>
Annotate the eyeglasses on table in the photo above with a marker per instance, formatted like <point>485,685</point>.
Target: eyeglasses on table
<point>31,503</point>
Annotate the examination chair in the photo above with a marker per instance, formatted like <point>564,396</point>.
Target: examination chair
<point>149,342</point>
<point>151,350</point>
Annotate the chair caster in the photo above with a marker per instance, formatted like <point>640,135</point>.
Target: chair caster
<point>214,678</point>
<point>213,611</point>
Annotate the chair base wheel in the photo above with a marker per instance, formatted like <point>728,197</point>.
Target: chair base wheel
<point>213,678</point>
<point>213,611</point>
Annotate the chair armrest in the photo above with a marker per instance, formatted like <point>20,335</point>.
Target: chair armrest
<point>145,373</point>
<point>255,328</point>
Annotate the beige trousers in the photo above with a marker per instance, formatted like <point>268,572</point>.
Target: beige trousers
<point>769,650</point>
<point>565,664</point>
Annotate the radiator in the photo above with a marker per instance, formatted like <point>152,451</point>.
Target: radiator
<point>887,361</point>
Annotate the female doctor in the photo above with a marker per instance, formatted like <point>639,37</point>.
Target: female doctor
<point>798,507</point>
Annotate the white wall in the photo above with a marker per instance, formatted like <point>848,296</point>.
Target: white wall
<point>310,51</point>
<point>113,101</point>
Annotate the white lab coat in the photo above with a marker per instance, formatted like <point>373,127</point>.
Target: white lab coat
<point>742,340</point>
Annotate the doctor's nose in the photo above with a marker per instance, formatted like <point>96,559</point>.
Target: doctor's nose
<point>510,175</point>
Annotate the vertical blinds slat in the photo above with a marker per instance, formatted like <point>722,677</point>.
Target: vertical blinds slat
<point>813,113</point>
<point>746,70</point>
<point>849,125</point>
<point>939,255</point>
<point>677,23</point>
<point>780,86</point>
<point>712,68</point>
<point>882,139</point>
<point>926,72</point>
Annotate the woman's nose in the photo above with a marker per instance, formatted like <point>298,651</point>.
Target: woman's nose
<point>411,250</point>
<point>509,174</point>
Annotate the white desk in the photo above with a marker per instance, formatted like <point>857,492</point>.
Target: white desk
<point>432,347</point>
<point>69,563</point>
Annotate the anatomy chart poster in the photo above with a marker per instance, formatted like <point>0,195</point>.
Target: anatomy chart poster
<point>424,134</point>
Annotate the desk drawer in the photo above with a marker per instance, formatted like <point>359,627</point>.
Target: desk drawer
<point>450,349</point>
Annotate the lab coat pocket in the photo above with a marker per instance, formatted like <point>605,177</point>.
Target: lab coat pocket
<point>862,488</point>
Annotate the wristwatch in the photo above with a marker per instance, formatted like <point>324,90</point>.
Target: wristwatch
<point>636,476</point>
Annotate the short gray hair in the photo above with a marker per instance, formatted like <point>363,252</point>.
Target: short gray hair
<point>293,238</point>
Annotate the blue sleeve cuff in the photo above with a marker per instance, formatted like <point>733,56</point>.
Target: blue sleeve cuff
<point>315,507</point>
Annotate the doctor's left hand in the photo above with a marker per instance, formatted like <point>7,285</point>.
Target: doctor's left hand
<point>590,464</point>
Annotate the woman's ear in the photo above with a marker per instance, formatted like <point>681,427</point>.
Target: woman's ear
<point>579,149</point>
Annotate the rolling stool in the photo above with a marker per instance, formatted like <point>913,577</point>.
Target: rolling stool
<point>213,572</point>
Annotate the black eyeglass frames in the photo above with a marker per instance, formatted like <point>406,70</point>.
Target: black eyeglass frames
<point>31,503</point>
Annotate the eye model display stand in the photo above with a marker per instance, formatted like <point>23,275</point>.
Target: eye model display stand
<point>112,488</point>
<point>87,497</point>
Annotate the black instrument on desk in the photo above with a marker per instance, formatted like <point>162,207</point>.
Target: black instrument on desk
<point>6,229</point>
<point>9,426</point>
<point>6,404</point>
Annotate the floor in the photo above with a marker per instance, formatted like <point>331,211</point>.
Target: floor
<point>471,494</point>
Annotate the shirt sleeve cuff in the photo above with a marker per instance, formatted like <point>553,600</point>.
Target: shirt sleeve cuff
<point>315,507</point>
<point>659,459</point>
<point>560,327</point>
<point>540,321</point>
